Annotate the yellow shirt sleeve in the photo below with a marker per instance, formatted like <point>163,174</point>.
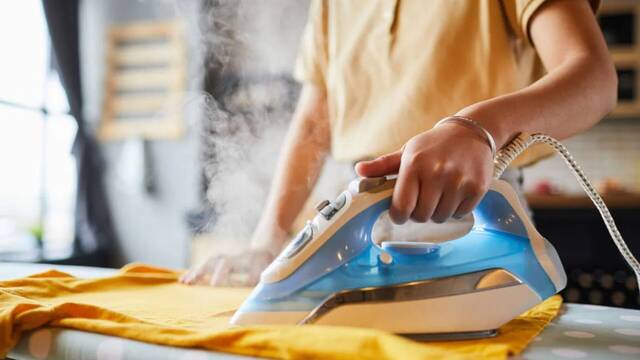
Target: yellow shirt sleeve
<point>520,12</point>
<point>311,63</point>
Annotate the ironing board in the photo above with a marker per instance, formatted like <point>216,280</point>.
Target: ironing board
<point>580,332</point>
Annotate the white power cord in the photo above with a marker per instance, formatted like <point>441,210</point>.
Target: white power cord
<point>507,154</point>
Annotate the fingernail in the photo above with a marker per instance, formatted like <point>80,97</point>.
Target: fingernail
<point>398,221</point>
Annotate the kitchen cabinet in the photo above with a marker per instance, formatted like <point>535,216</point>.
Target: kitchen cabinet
<point>597,273</point>
<point>620,24</point>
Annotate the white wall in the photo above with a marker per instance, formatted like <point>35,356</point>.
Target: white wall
<point>609,150</point>
<point>153,229</point>
<point>268,34</point>
<point>150,229</point>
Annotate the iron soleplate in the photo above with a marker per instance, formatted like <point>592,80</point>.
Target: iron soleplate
<point>452,336</point>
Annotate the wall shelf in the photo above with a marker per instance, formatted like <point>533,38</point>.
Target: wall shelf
<point>620,24</point>
<point>563,201</point>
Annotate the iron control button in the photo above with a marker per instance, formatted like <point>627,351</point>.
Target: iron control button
<point>325,209</point>
<point>299,242</point>
<point>328,211</point>
<point>322,204</point>
<point>367,184</point>
<point>339,202</point>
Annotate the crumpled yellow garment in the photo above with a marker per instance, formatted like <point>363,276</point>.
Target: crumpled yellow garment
<point>148,304</point>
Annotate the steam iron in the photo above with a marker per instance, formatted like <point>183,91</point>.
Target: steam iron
<point>332,273</point>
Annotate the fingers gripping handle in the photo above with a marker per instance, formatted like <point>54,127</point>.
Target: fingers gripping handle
<point>485,212</point>
<point>496,210</point>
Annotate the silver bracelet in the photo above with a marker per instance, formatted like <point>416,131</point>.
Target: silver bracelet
<point>474,125</point>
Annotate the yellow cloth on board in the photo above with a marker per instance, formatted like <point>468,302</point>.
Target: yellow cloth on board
<point>148,304</point>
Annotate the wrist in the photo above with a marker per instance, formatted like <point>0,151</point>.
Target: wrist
<point>474,127</point>
<point>491,122</point>
<point>269,236</point>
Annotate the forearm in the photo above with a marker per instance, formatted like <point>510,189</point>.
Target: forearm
<point>299,166</point>
<point>569,99</point>
<point>579,88</point>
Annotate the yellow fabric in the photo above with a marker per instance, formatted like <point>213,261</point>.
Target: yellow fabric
<point>147,304</point>
<point>393,68</point>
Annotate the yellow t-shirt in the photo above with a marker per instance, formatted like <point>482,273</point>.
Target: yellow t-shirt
<point>148,304</point>
<point>393,68</point>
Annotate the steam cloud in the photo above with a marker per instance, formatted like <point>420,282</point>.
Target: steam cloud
<point>244,149</point>
<point>250,51</point>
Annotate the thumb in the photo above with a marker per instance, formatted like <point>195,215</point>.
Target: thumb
<point>384,165</point>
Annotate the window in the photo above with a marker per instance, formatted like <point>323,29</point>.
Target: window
<point>38,173</point>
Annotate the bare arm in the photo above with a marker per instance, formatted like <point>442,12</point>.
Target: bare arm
<point>305,149</point>
<point>578,90</point>
<point>445,171</point>
<point>301,160</point>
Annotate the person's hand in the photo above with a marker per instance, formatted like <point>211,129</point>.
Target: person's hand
<point>442,172</point>
<point>230,270</point>
<point>241,269</point>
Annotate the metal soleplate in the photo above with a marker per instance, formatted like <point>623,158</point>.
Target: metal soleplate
<point>471,335</point>
<point>417,290</point>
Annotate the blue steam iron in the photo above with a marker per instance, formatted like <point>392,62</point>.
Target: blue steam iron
<point>332,272</point>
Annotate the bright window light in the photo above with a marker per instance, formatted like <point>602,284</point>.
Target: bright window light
<point>38,172</point>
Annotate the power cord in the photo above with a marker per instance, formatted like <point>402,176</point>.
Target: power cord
<point>518,145</point>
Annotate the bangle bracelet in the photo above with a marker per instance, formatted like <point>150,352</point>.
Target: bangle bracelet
<point>475,126</point>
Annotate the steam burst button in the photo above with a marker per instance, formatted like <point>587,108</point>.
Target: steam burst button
<point>367,184</point>
<point>299,242</point>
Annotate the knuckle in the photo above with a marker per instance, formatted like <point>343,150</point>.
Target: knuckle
<point>415,160</point>
<point>476,191</point>
<point>435,169</point>
<point>410,145</point>
<point>454,176</point>
<point>441,169</point>
<point>473,188</point>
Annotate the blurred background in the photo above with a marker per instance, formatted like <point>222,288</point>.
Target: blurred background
<point>147,131</point>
